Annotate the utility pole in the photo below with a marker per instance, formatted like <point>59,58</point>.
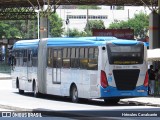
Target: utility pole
<point>87,26</point>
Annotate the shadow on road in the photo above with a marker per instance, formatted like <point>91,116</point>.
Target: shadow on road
<point>95,102</point>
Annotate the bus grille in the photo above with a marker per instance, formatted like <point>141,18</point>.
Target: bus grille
<point>126,79</point>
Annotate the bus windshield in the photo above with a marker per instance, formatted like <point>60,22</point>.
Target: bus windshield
<point>125,54</point>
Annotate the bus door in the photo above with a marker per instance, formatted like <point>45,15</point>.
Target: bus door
<point>29,70</point>
<point>23,69</point>
<point>57,64</point>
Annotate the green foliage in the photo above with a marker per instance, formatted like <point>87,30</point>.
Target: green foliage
<point>56,24</point>
<point>120,7</point>
<point>17,29</point>
<point>88,7</point>
<point>8,31</point>
<point>93,24</point>
<point>75,33</point>
<point>26,29</point>
<point>139,23</point>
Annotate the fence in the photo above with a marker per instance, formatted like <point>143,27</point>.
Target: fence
<point>5,68</point>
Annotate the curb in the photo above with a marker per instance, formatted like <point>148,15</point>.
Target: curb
<point>124,102</point>
<point>2,78</point>
<point>140,103</point>
<point>14,108</point>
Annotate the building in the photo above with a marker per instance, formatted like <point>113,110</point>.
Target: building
<point>77,18</point>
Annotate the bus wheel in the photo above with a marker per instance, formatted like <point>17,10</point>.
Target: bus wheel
<point>21,91</point>
<point>17,85</point>
<point>35,92</point>
<point>74,94</point>
<point>111,101</point>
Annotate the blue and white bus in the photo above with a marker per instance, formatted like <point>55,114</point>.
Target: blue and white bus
<point>85,67</point>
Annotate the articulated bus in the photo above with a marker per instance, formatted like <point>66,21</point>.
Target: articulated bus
<point>85,67</point>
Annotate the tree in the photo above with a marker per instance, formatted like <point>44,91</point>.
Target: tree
<point>56,24</point>
<point>17,29</point>
<point>139,23</point>
<point>93,24</point>
<point>26,29</point>
<point>75,33</point>
<point>8,31</point>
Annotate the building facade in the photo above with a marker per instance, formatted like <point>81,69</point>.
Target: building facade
<point>77,18</point>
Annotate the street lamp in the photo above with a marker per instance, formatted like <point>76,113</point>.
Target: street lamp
<point>67,23</point>
<point>37,11</point>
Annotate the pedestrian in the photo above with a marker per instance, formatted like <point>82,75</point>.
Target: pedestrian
<point>151,74</point>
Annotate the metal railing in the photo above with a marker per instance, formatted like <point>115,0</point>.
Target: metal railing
<point>5,68</point>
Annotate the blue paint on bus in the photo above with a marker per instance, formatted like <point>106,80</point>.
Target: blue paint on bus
<point>79,41</point>
<point>26,44</point>
<point>114,92</point>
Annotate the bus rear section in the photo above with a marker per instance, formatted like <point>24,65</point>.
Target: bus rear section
<point>125,72</point>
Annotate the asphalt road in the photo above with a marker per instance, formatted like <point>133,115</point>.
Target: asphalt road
<point>62,108</point>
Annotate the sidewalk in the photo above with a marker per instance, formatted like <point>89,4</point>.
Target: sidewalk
<point>5,76</point>
<point>147,101</point>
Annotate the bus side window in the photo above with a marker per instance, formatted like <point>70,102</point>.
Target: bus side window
<point>16,58</point>
<point>20,57</point>
<point>59,58</point>
<point>13,59</point>
<point>34,57</point>
<point>73,58</point>
<point>29,61</point>
<point>49,58</point>
<point>54,52</point>
<point>93,59</point>
<point>66,58</point>
<point>24,52</point>
<point>83,58</point>
<point>77,58</point>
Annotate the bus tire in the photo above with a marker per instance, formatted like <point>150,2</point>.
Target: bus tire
<point>21,91</point>
<point>35,91</point>
<point>111,101</point>
<point>74,94</point>
<point>17,85</point>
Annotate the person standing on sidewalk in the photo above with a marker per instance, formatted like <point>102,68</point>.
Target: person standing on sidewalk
<point>151,73</point>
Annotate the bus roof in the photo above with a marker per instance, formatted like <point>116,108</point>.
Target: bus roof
<point>89,41</point>
<point>101,38</point>
<point>125,42</point>
<point>77,41</point>
<point>26,44</point>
